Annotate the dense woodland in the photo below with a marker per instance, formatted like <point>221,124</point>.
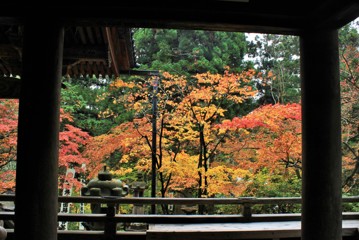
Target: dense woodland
<point>228,117</point>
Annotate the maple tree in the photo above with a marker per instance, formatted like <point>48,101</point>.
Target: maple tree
<point>8,138</point>
<point>201,109</point>
<point>350,114</point>
<point>349,75</point>
<point>187,141</point>
<point>268,139</point>
<point>72,139</point>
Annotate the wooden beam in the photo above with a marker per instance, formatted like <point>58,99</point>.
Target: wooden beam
<point>124,58</point>
<point>113,46</point>
<point>95,68</point>
<point>3,69</point>
<point>89,52</point>
<point>10,87</point>
<point>101,67</point>
<point>9,51</point>
<point>255,16</point>
<point>82,35</point>
<point>334,14</point>
<point>98,35</point>
<point>90,35</point>
<point>126,51</point>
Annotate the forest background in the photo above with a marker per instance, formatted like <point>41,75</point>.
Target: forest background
<point>228,117</point>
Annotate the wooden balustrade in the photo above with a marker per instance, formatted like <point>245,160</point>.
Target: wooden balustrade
<point>111,218</point>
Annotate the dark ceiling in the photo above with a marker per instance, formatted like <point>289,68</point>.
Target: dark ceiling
<point>268,16</point>
<point>87,50</point>
<point>98,37</point>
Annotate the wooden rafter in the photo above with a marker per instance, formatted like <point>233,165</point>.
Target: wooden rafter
<point>112,46</point>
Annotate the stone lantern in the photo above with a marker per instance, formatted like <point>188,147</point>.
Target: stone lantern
<point>138,187</point>
<point>103,186</point>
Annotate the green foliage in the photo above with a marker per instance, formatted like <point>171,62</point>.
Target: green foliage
<point>228,209</point>
<point>278,54</point>
<point>186,52</point>
<point>87,98</point>
<point>351,207</point>
<point>237,110</point>
<point>348,36</point>
<point>265,184</point>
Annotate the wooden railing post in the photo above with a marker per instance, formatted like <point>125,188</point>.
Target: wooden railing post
<point>3,233</point>
<point>247,210</point>
<point>247,207</point>
<point>110,224</point>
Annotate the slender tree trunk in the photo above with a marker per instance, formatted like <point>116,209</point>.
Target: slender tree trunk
<point>202,164</point>
<point>199,167</point>
<point>205,161</point>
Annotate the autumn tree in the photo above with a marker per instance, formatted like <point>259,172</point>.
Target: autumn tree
<point>72,140</point>
<point>188,109</point>
<point>349,74</point>
<point>202,108</point>
<point>8,138</point>
<point>268,140</point>
<point>131,142</point>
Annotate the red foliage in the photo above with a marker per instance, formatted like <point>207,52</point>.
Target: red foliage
<point>72,139</point>
<point>269,137</point>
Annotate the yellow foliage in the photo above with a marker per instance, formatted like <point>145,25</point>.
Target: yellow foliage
<point>124,159</point>
<point>122,171</point>
<point>187,109</point>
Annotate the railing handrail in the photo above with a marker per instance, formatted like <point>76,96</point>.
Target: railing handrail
<point>150,200</point>
<point>110,219</point>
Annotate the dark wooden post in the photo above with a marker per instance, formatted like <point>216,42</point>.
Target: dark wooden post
<point>247,203</point>
<point>110,224</point>
<point>247,211</point>
<point>3,233</point>
<point>154,142</point>
<point>38,133</point>
<point>321,213</point>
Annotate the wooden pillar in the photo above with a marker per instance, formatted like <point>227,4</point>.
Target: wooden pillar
<point>321,209</point>
<point>38,132</point>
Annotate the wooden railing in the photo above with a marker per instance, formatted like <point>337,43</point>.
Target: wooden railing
<point>110,219</point>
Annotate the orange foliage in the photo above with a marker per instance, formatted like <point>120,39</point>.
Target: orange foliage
<point>71,140</point>
<point>269,137</point>
<point>187,140</point>
<point>350,117</point>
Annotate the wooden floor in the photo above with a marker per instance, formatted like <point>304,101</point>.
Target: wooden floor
<point>281,230</point>
<point>232,231</point>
